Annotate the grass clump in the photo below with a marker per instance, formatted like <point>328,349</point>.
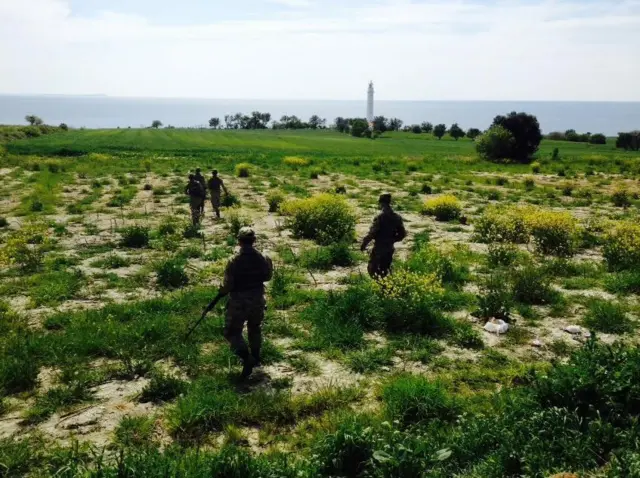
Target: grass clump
<point>162,388</point>
<point>325,218</point>
<point>413,399</point>
<point>295,161</point>
<point>532,285</point>
<point>59,397</point>
<point>608,317</point>
<point>370,360</point>
<point>26,246</point>
<point>135,432</point>
<point>623,282</point>
<point>621,248</point>
<point>502,255</point>
<point>171,273</point>
<point>495,299</point>
<point>3,222</point>
<point>326,257</point>
<point>443,208</point>
<point>243,170</point>
<point>135,237</point>
<point>111,261</point>
<point>236,220</point>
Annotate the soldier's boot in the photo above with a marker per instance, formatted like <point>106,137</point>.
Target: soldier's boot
<point>255,353</point>
<point>248,363</point>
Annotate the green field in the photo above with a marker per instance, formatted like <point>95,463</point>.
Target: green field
<point>101,277</point>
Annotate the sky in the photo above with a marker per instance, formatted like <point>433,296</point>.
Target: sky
<point>571,50</point>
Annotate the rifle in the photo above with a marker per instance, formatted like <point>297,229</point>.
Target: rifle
<point>210,307</point>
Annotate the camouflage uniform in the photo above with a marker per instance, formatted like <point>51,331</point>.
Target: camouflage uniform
<point>244,280</point>
<point>196,199</point>
<point>215,185</point>
<point>386,230</point>
<point>200,178</point>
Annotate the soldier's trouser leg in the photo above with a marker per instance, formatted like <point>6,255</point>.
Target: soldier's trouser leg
<point>215,203</point>
<point>250,310</point>
<point>380,262</point>
<point>254,330</point>
<point>233,333</point>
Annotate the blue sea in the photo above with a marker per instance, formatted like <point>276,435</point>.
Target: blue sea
<point>110,112</point>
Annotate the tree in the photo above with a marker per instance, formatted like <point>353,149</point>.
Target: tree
<point>426,127</point>
<point>156,124</point>
<point>456,132</point>
<point>315,122</point>
<point>33,120</point>
<point>63,126</point>
<point>598,138</point>
<point>629,141</point>
<point>380,123</point>
<point>416,129</point>
<point>214,123</point>
<point>358,127</point>
<point>439,130</point>
<point>341,124</point>
<point>395,124</point>
<point>496,144</point>
<point>473,133</point>
<point>526,132</point>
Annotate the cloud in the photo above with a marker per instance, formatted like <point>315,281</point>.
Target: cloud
<point>292,3</point>
<point>436,49</point>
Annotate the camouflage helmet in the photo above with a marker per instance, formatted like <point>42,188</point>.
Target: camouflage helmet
<point>246,234</point>
<point>385,198</point>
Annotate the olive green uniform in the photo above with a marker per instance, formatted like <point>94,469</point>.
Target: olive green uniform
<point>196,194</point>
<point>200,178</point>
<point>386,230</point>
<point>216,185</point>
<point>244,280</point>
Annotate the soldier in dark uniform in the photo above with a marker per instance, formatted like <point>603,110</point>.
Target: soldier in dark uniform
<point>244,280</point>
<point>200,178</point>
<point>215,185</point>
<point>386,230</point>
<point>196,194</point>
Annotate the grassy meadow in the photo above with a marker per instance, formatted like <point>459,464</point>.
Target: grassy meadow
<point>102,275</point>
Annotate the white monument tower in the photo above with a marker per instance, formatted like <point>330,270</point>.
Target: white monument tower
<point>370,103</point>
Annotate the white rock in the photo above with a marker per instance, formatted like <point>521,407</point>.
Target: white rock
<point>536,343</point>
<point>573,329</point>
<point>496,326</point>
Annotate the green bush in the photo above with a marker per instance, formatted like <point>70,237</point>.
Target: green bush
<point>414,399</point>
<point>553,232</point>
<point>624,282</point>
<point>324,218</point>
<point>171,273</point>
<point>275,199</point>
<point>500,224</point>
<point>326,257</point>
<point>532,285</point>
<point>621,248</point>
<point>135,237</point>
<point>608,317</point>
<point>502,255</point>
<point>495,299</point>
<point>236,220</point>
<point>620,198</point>
<point>243,170</point>
<point>496,144</point>
<point>444,263</point>
<point>162,388</point>
<point>135,432</point>
<point>18,366</point>
<point>3,222</point>
<point>444,208</point>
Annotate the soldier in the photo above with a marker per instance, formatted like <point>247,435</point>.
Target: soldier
<point>386,230</point>
<point>244,280</point>
<point>200,178</point>
<point>196,194</point>
<point>215,184</point>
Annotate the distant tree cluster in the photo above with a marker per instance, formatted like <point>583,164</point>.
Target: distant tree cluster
<point>257,120</point>
<point>629,141</point>
<point>293,122</point>
<point>571,135</point>
<point>357,127</point>
<point>515,137</point>
<point>33,120</point>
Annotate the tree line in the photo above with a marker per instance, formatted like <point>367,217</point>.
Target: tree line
<point>260,120</point>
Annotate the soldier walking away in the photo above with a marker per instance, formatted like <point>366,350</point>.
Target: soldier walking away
<point>244,280</point>
<point>386,230</point>
<point>200,178</point>
<point>215,185</point>
<point>196,194</point>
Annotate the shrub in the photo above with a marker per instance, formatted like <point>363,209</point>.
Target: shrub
<point>629,141</point>
<point>456,132</point>
<point>416,129</point>
<point>553,232</point>
<point>236,220</point>
<point>622,246</point>
<point>532,285</point>
<point>325,218</point>
<point>295,161</point>
<point>135,237</point>
<point>473,133</point>
<point>535,167</point>
<point>620,198</point>
<point>598,138</point>
<point>500,224</point>
<point>169,226</point>
<point>171,273</point>
<point>439,130</point>
<point>502,255</point>
<point>525,130</point>
<point>496,144</point>
<point>624,282</point>
<point>607,317</point>
<point>230,200</point>
<point>444,263</point>
<point>3,222</point>
<point>275,199</point>
<point>324,258</point>
<point>495,299</point>
<point>25,247</point>
<point>314,173</point>
<point>243,170</point>
<point>444,208</point>
<point>425,189</point>
<point>414,399</point>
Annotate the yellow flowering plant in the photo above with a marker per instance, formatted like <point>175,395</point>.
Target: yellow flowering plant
<point>444,208</point>
<point>621,248</point>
